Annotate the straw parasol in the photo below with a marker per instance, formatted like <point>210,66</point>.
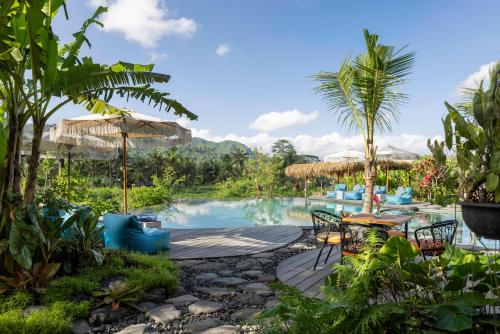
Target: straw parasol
<point>123,126</point>
<point>390,155</point>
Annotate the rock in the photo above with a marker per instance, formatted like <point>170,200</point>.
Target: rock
<point>245,314</point>
<point>80,326</point>
<point>264,261</point>
<point>299,246</point>
<point>226,272</point>
<point>31,309</point>
<point>251,273</point>
<point>146,306</point>
<point>209,267</point>
<point>248,264</point>
<point>115,315</point>
<point>258,288</point>
<point>216,291</point>
<point>179,292</point>
<point>265,277</point>
<point>138,329</point>
<point>156,295</point>
<point>263,255</point>
<point>182,300</point>
<point>271,303</point>
<point>204,306</point>
<point>189,263</point>
<point>164,313</point>
<point>249,299</point>
<point>283,250</point>
<point>224,329</point>
<point>201,325</point>
<point>229,281</point>
<point>205,276</point>
<point>98,316</point>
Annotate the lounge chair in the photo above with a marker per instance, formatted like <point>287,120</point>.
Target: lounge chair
<point>126,232</point>
<point>356,193</point>
<point>404,195</point>
<point>333,193</point>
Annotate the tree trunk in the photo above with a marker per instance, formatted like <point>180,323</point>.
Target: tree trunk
<point>370,177</point>
<point>16,186</point>
<point>30,188</point>
<point>10,164</point>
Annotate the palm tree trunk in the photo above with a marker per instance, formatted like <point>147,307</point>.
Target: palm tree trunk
<point>30,188</point>
<point>370,177</point>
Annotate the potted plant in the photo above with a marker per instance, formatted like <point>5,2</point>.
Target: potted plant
<point>472,130</point>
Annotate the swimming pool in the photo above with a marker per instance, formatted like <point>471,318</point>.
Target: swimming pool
<point>282,211</point>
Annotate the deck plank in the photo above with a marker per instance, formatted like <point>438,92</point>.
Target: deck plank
<point>222,242</point>
<point>298,271</point>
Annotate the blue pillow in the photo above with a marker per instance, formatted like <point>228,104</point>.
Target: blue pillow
<point>357,188</point>
<point>400,191</point>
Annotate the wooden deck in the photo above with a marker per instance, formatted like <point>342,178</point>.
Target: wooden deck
<point>298,270</point>
<point>223,242</point>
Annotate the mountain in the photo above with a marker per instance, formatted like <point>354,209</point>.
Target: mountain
<point>202,149</point>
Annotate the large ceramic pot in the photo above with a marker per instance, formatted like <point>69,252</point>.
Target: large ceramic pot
<point>482,219</point>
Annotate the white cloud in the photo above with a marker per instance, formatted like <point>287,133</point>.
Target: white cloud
<point>155,57</point>
<point>280,120</point>
<point>184,122</point>
<point>144,22</point>
<point>472,80</point>
<point>223,49</point>
<point>322,145</point>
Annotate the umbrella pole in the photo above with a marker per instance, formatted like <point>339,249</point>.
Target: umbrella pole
<point>124,164</point>
<point>69,174</point>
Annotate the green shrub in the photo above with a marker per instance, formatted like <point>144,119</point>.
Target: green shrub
<point>236,188</point>
<point>18,299</point>
<point>61,289</point>
<point>103,200</point>
<point>140,197</point>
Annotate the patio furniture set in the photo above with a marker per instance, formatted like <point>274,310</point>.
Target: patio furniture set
<point>403,195</point>
<point>349,234</point>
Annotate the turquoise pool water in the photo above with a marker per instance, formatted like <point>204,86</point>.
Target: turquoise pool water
<point>283,211</point>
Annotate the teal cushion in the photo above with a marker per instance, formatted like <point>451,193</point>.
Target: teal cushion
<point>400,191</point>
<point>340,187</point>
<point>115,227</point>
<point>356,188</point>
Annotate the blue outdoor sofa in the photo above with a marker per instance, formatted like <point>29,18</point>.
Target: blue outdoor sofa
<point>404,195</point>
<point>126,232</point>
<point>333,193</point>
<point>356,193</point>
<point>379,190</point>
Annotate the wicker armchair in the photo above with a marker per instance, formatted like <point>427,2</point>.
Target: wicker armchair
<point>353,238</point>
<point>326,230</point>
<point>432,240</point>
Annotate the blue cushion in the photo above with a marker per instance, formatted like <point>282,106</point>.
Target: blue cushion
<point>356,188</point>
<point>340,187</point>
<point>352,195</point>
<point>331,194</point>
<point>147,218</point>
<point>379,190</point>
<point>400,191</point>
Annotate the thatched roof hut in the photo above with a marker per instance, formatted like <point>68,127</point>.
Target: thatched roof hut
<point>335,169</point>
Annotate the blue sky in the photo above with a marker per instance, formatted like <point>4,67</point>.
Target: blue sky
<point>257,87</point>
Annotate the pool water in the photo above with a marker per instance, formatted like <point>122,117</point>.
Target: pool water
<point>282,211</point>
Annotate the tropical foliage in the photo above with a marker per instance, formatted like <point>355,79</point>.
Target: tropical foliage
<point>365,93</point>
<point>390,291</point>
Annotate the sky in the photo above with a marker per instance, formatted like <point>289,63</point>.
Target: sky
<point>245,67</point>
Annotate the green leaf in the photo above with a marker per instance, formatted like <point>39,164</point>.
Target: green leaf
<point>491,182</point>
<point>399,249</point>
<point>450,317</point>
<point>448,131</point>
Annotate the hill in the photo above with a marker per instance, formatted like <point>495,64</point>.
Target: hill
<point>203,149</point>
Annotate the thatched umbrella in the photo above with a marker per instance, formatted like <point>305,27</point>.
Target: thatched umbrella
<point>119,128</point>
<point>390,155</point>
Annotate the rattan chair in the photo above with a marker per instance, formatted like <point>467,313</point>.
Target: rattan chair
<point>432,240</point>
<point>326,230</point>
<point>353,238</point>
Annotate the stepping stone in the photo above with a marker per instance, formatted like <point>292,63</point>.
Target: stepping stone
<point>80,326</point>
<point>263,255</point>
<point>138,329</point>
<point>245,314</point>
<point>265,261</point>
<point>217,292</point>
<point>182,300</point>
<point>229,281</point>
<point>265,278</point>
<point>251,273</point>
<point>189,263</point>
<point>146,306</point>
<point>249,299</point>
<point>300,246</point>
<point>271,303</point>
<point>204,306</point>
<point>209,267</point>
<point>258,288</point>
<point>248,264</point>
<point>201,325</point>
<point>32,309</point>
<point>164,314</point>
<point>226,272</point>
<point>224,329</point>
<point>205,276</point>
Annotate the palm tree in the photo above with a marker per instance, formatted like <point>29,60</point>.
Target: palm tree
<point>365,94</point>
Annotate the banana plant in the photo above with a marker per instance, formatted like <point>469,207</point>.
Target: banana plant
<point>472,130</point>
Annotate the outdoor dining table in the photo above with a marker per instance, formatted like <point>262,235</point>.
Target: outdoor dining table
<point>383,220</point>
